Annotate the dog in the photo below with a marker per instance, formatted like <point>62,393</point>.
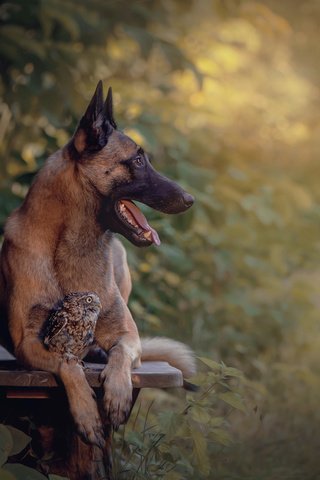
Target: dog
<point>61,240</point>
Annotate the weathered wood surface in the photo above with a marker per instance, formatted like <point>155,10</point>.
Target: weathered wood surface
<point>149,375</point>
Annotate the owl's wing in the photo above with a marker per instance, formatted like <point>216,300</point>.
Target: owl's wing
<point>55,323</point>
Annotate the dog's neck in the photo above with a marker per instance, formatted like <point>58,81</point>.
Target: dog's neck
<point>61,190</point>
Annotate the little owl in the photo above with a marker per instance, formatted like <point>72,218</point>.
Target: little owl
<point>69,330</point>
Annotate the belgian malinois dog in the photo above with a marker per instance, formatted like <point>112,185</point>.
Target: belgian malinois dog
<point>61,240</point>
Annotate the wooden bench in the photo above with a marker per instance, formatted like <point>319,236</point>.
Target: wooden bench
<point>38,395</point>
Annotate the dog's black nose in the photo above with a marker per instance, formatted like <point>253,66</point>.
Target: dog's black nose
<point>188,199</point>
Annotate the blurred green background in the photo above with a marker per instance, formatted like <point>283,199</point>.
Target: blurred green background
<point>225,95</point>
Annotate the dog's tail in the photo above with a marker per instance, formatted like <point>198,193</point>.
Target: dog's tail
<point>175,353</point>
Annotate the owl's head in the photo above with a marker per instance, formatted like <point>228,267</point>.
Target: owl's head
<point>89,301</point>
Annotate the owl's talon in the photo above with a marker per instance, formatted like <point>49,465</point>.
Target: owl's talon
<point>70,358</point>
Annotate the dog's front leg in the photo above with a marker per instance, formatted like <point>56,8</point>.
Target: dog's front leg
<point>117,333</point>
<point>116,377</point>
<point>82,404</point>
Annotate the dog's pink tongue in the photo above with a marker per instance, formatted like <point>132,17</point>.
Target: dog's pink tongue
<point>142,221</point>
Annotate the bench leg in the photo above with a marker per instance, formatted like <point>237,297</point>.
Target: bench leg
<point>86,462</point>
<point>76,459</point>
<point>55,436</point>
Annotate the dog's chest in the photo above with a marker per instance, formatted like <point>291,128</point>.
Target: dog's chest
<point>81,267</point>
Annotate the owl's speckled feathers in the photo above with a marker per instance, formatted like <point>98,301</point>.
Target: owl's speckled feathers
<point>69,330</point>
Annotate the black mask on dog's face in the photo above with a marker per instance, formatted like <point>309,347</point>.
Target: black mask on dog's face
<point>121,172</point>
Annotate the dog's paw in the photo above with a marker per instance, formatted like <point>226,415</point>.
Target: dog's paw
<point>117,397</point>
<point>90,431</point>
<point>87,419</point>
<point>83,406</point>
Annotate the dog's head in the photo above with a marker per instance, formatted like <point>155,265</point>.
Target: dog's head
<point>119,171</point>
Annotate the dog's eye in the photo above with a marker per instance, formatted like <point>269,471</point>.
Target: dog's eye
<point>138,161</point>
<point>89,299</point>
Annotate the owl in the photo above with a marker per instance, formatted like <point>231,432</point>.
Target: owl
<point>69,330</point>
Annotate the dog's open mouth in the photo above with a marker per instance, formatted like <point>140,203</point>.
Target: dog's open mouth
<point>130,214</point>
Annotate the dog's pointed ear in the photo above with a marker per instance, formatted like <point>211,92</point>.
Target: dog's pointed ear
<point>93,130</point>
<point>96,104</point>
<point>108,109</point>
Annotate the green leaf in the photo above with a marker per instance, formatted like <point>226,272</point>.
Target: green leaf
<point>21,472</point>
<point>210,363</point>
<point>232,372</point>
<point>6,475</point>
<point>200,414</point>
<point>135,438</point>
<point>70,24</point>
<point>144,39</point>
<point>20,440</point>
<point>170,422</point>
<point>233,399</point>
<point>17,35</point>
<point>6,444</point>
<point>172,476</point>
<point>221,436</point>
<point>200,450</point>
<point>217,421</point>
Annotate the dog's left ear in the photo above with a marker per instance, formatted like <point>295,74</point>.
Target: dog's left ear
<point>94,127</point>
<point>108,109</point>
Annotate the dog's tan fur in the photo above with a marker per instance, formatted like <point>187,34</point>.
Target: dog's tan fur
<point>55,245</point>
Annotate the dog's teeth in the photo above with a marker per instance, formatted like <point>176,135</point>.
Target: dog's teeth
<point>147,235</point>
<point>127,215</point>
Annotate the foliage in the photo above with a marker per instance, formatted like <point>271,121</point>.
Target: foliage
<point>12,443</point>
<point>224,94</point>
<point>15,446</point>
<point>185,441</point>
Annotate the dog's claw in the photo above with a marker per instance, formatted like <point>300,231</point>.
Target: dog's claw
<point>118,416</point>
<point>91,433</point>
<point>92,438</point>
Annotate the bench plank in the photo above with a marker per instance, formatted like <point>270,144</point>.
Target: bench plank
<point>149,375</point>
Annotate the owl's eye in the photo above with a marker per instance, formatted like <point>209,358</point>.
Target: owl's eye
<point>89,299</point>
